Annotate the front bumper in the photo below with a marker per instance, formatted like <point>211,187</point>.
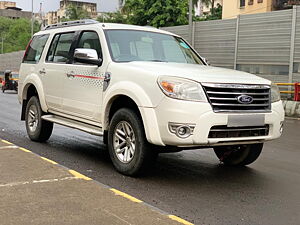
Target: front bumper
<point>203,117</point>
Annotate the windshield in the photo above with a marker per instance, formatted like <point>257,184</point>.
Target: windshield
<point>132,45</point>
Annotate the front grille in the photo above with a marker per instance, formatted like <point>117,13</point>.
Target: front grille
<point>224,97</point>
<point>231,132</point>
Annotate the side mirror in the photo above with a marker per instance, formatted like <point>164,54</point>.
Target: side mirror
<point>88,56</point>
<point>206,61</point>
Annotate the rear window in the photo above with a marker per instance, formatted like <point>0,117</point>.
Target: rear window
<point>35,49</point>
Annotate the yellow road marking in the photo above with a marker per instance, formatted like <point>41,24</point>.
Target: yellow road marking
<point>133,199</point>
<point>179,220</point>
<point>48,160</point>
<point>79,175</point>
<point>6,142</point>
<point>25,150</point>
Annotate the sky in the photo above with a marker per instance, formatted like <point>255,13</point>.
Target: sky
<point>53,5</point>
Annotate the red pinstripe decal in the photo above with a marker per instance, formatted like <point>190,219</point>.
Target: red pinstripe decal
<point>90,77</point>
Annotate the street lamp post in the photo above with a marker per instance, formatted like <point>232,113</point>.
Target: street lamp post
<point>2,46</point>
<point>32,18</point>
<point>190,21</point>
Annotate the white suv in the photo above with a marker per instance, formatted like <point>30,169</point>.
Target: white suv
<point>145,91</point>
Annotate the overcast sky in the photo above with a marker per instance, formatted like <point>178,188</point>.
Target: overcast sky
<point>52,5</point>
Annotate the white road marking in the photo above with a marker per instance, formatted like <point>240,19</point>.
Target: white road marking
<point>37,181</point>
<point>10,146</point>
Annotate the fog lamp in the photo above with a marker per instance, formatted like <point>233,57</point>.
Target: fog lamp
<point>182,130</point>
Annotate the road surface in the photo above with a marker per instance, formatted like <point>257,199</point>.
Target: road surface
<point>190,184</point>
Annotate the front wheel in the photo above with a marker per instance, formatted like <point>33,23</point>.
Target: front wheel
<point>238,155</point>
<point>129,150</point>
<point>37,129</point>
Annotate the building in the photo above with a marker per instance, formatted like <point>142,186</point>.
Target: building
<point>202,9</point>
<point>233,8</point>
<point>14,13</point>
<point>50,18</point>
<point>57,16</point>
<point>6,4</point>
<point>10,10</point>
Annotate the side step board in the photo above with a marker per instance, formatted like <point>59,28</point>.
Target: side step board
<point>74,124</point>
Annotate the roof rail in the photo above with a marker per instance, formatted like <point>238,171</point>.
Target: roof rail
<point>70,24</point>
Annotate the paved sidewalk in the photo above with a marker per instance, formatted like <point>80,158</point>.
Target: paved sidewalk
<point>35,190</point>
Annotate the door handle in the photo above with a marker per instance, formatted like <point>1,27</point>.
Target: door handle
<point>43,71</point>
<point>70,74</point>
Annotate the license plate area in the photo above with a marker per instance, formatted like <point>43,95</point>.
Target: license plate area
<point>246,120</point>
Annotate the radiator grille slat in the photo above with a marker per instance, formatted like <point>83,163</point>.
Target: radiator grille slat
<point>225,97</point>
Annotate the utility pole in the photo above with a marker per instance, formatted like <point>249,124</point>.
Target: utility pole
<point>2,46</point>
<point>190,21</point>
<point>32,18</point>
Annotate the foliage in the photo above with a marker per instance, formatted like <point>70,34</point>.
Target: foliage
<point>156,13</point>
<point>16,33</point>
<point>75,13</point>
<point>113,17</point>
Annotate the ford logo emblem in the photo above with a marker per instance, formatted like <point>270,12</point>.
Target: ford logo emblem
<point>245,99</point>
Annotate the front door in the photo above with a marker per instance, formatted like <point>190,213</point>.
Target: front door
<point>83,83</point>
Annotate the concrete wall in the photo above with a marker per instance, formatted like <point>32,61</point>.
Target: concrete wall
<point>11,61</point>
<point>292,108</point>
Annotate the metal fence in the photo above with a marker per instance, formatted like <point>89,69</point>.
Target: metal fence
<point>266,44</point>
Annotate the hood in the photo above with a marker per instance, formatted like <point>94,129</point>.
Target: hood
<point>199,73</point>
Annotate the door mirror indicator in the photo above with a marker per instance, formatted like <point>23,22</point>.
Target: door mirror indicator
<point>88,56</point>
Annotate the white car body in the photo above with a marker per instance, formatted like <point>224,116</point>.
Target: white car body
<point>82,99</point>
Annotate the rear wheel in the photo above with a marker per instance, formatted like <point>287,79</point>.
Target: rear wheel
<point>238,155</point>
<point>37,129</point>
<point>129,149</point>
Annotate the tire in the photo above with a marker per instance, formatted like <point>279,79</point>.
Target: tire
<point>134,154</point>
<point>238,155</point>
<point>37,129</point>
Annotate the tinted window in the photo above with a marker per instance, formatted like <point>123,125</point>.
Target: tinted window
<point>59,51</point>
<point>52,48</point>
<point>132,45</point>
<point>90,40</point>
<point>35,49</point>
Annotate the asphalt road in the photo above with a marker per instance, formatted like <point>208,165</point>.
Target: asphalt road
<point>190,184</point>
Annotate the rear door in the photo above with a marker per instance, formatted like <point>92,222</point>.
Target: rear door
<point>33,60</point>
<point>83,85</point>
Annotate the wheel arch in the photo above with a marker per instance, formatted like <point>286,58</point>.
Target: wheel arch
<point>32,89</point>
<point>148,117</point>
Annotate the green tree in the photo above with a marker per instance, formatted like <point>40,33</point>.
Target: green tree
<point>16,33</point>
<point>113,17</point>
<point>157,13</point>
<point>74,12</point>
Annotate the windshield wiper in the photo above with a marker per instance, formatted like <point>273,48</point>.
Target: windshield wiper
<point>156,60</point>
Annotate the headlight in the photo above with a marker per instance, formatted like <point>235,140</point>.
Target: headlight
<point>275,93</point>
<point>182,89</point>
